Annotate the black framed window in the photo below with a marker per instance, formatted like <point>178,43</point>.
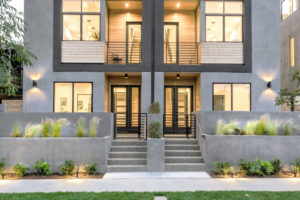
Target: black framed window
<point>73,97</point>
<point>224,20</point>
<point>81,20</point>
<point>232,97</point>
<point>288,7</point>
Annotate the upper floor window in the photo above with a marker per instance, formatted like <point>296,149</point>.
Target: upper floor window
<point>81,19</point>
<point>288,7</point>
<point>224,21</point>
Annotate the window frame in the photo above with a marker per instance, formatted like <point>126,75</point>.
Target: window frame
<point>224,15</point>
<point>292,7</point>
<point>81,14</point>
<point>73,84</point>
<point>231,86</point>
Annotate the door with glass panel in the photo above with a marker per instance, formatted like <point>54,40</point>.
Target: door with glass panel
<point>171,43</point>
<point>126,106</point>
<point>133,42</point>
<point>178,109</point>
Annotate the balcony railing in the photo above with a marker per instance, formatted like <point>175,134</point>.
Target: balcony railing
<point>182,53</point>
<point>123,53</point>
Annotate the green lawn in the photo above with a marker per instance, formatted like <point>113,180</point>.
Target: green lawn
<point>150,196</point>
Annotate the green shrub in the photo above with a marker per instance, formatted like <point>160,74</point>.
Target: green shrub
<point>295,167</point>
<point>47,127</point>
<point>288,128</point>
<point>258,168</point>
<point>155,130</point>
<point>2,167</point>
<point>277,166</point>
<point>42,168</point>
<point>93,126</point>
<point>67,168</point>
<point>248,167</point>
<point>154,108</point>
<point>32,130</point>
<point>266,127</point>
<point>231,128</point>
<point>17,131</point>
<point>81,127</point>
<point>250,128</point>
<point>57,126</point>
<point>21,170</point>
<point>224,168</point>
<point>91,169</point>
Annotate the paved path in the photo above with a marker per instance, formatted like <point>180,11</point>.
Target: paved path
<point>149,185</point>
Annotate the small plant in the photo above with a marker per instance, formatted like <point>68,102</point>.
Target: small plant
<point>21,170</point>
<point>81,127</point>
<point>295,167</point>
<point>224,168</point>
<point>227,129</point>
<point>17,131</point>
<point>32,130</point>
<point>2,168</point>
<point>258,168</point>
<point>67,168</point>
<point>93,126</point>
<point>154,108</point>
<point>57,126</point>
<point>47,127</point>
<point>277,166</point>
<point>155,129</point>
<point>42,168</point>
<point>248,167</point>
<point>266,127</point>
<point>288,128</point>
<point>250,128</point>
<point>116,59</point>
<point>91,169</point>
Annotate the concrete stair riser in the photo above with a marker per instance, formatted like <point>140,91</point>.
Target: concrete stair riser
<point>122,168</point>
<point>128,161</point>
<point>185,167</point>
<point>128,143</point>
<point>128,155</point>
<point>184,160</point>
<point>182,153</point>
<point>184,142</point>
<point>182,147</point>
<point>128,149</point>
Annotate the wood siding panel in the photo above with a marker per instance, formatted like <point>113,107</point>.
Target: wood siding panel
<point>222,53</point>
<point>13,105</point>
<point>83,52</point>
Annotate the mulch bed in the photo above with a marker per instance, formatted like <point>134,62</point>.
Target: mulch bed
<point>11,176</point>
<point>284,174</point>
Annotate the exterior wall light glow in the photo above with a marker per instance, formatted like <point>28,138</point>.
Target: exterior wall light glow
<point>34,84</point>
<point>178,76</point>
<point>126,76</point>
<point>269,84</point>
<point>178,5</point>
<point>126,5</point>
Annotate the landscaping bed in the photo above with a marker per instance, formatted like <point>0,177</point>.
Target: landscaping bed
<point>284,174</point>
<point>12,176</point>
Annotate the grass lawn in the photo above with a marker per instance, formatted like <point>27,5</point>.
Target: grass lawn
<point>150,196</point>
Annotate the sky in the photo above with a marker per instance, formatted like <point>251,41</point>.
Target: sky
<point>18,4</point>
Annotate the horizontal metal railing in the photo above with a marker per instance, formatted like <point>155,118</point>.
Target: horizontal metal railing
<point>182,53</point>
<point>123,53</point>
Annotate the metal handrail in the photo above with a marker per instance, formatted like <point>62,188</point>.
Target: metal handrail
<point>182,53</point>
<point>123,52</point>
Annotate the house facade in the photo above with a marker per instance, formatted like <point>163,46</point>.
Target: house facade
<point>119,56</point>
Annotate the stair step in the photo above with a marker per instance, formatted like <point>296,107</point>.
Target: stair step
<point>182,147</point>
<point>178,153</point>
<point>128,149</point>
<point>184,167</point>
<point>126,168</point>
<point>126,161</point>
<point>195,159</point>
<point>193,142</point>
<point>128,155</point>
<point>128,143</point>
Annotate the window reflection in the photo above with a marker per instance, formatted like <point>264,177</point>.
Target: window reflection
<point>91,27</point>
<point>71,27</point>
<point>90,5</point>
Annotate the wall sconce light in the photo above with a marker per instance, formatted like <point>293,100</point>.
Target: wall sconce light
<point>126,76</point>
<point>178,76</point>
<point>34,83</point>
<point>269,84</point>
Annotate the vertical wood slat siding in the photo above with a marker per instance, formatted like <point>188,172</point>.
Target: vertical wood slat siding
<point>82,52</point>
<point>222,53</point>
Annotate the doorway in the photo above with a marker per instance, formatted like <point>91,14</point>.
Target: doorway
<point>133,42</point>
<point>171,35</point>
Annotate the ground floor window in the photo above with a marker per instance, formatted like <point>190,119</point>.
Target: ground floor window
<point>231,97</point>
<point>73,97</point>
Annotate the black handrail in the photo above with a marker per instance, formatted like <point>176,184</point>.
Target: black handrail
<point>182,53</point>
<point>123,53</point>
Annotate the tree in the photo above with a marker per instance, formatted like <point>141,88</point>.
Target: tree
<point>287,96</point>
<point>12,48</point>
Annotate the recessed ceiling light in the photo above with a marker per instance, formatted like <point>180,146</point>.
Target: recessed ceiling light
<point>126,5</point>
<point>178,5</point>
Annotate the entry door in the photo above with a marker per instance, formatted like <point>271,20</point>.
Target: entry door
<point>126,106</point>
<point>171,43</point>
<point>178,109</point>
<point>133,42</point>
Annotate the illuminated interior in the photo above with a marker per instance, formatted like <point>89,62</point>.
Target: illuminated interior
<point>292,52</point>
<point>288,7</point>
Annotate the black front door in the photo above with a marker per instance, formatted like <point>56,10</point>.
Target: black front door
<point>178,109</point>
<point>126,105</point>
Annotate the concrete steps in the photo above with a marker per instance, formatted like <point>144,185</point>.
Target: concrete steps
<point>127,156</point>
<point>183,155</point>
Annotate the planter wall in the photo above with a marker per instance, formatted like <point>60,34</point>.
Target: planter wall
<point>155,155</point>
<point>7,120</point>
<point>3,108</point>
<point>55,151</point>
<point>234,148</point>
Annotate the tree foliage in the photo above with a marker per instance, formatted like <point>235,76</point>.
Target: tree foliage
<point>12,48</point>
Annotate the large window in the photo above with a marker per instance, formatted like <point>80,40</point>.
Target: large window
<point>81,19</point>
<point>232,97</point>
<point>224,21</point>
<point>73,97</point>
<point>292,52</point>
<point>288,7</point>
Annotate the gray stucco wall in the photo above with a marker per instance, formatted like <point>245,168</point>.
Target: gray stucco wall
<point>7,121</point>
<point>55,151</point>
<point>234,148</point>
<point>289,28</point>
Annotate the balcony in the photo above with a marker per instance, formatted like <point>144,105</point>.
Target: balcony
<point>123,53</point>
<point>183,53</point>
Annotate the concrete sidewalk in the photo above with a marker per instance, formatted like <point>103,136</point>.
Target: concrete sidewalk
<point>149,185</point>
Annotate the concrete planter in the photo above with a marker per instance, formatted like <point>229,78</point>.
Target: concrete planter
<point>155,155</point>
<point>55,151</point>
<point>3,108</point>
<point>234,148</point>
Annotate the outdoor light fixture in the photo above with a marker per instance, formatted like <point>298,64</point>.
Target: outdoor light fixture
<point>126,76</point>
<point>269,84</point>
<point>178,76</point>
<point>126,5</point>
<point>178,5</point>
<point>34,83</point>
